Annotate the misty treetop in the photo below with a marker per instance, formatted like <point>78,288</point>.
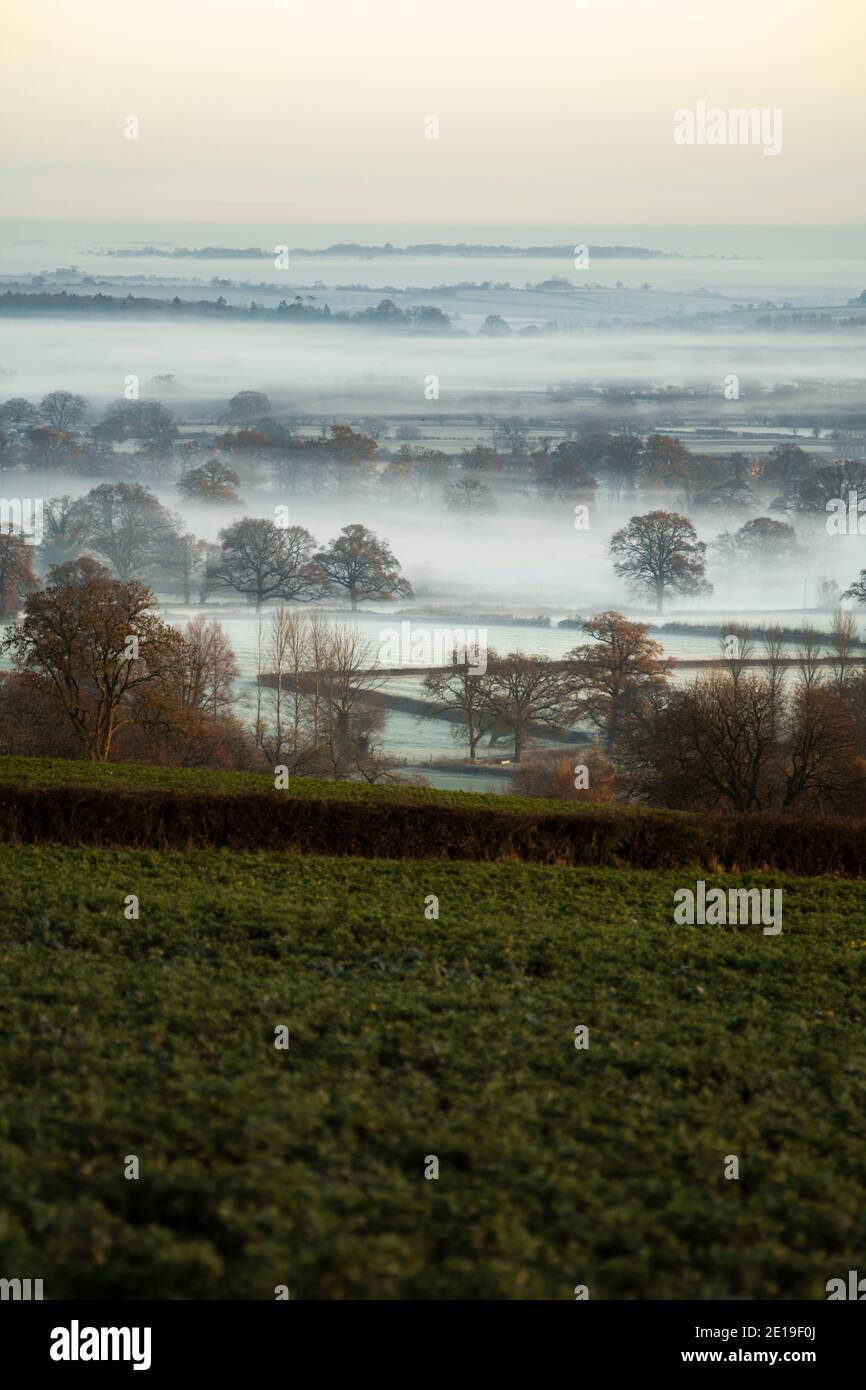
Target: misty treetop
<point>593,464</point>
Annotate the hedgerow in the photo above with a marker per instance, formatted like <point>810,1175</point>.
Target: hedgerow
<point>380,827</point>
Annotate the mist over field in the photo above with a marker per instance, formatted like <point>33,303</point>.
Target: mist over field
<point>432,674</point>
<point>356,369</point>
<point>603,353</point>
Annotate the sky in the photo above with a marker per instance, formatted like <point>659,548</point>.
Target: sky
<point>550,112</point>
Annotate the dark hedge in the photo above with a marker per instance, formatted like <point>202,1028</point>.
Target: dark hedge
<point>626,837</point>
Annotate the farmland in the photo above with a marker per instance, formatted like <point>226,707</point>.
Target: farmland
<point>410,1037</point>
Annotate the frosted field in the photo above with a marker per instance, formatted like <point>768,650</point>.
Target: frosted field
<point>525,559</point>
<point>553,642</point>
<point>418,740</point>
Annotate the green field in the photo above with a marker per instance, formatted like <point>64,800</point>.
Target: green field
<point>63,772</point>
<point>409,1038</point>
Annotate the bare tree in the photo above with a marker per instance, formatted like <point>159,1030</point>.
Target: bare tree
<point>809,655</point>
<point>127,525</point>
<point>63,410</point>
<point>824,763</point>
<point>61,521</point>
<point>715,745</point>
<point>184,559</point>
<point>746,746</point>
<point>774,654</point>
<point>737,648</point>
<point>265,561</point>
<point>348,729</point>
<point>313,712</point>
<point>659,552</point>
<point>525,690</point>
<point>470,496</point>
<point>287,653</point>
<point>843,642</point>
<point>209,669</point>
<point>461,689</point>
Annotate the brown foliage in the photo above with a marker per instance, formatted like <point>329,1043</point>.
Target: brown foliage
<point>745,744</point>
<point>616,673</point>
<point>554,778</point>
<point>16,573</point>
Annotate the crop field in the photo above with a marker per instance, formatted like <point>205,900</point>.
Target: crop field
<point>65,772</point>
<point>411,1038</point>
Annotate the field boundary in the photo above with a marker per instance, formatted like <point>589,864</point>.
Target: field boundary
<point>619,837</point>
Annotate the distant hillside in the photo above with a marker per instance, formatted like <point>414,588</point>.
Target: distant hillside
<point>422,318</point>
<point>358,249</point>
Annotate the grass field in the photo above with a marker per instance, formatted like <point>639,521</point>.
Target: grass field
<point>412,1037</point>
<point>65,772</point>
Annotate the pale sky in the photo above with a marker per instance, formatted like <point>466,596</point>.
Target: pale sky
<point>549,111</point>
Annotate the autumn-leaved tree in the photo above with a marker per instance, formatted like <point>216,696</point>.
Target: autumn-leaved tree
<point>213,481</point>
<point>659,552</point>
<point>354,455</point>
<point>615,672</point>
<point>581,775</point>
<point>186,718</point>
<point>16,572</point>
<point>363,566</point>
<point>89,643</point>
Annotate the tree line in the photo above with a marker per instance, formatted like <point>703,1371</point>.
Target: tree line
<point>255,449</point>
<point>97,673</point>
<point>126,527</point>
<point>732,739</point>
